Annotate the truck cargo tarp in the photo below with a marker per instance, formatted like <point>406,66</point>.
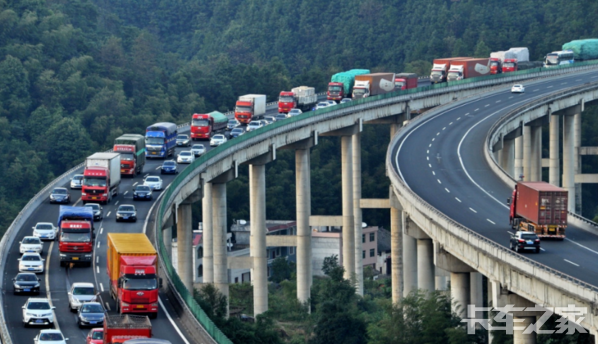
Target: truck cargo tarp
<point>583,49</point>
<point>218,117</point>
<point>83,213</point>
<point>348,78</point>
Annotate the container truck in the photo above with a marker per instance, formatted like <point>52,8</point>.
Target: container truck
<point>101,177</point>
<point>341,84</point>
<point>302,98</point>
<point>250,107</point>
<point>539,207</point>
<point>204,126</point>
<point>440,68</point>
<point>368,85</point>
<point>507,61</point>
<point>119,329</point>
<point>465,69</point>
<point>75,240</point>
<point>160,140</point>
<point>132,264</point>
<point>132,153</point>
<point>583,49</point>
<point>405,81</point>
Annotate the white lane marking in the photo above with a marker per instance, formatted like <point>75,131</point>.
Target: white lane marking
<point>470,208</point>
<point>510,232</point>
<point>434,173</point>
<point>542,249</point>
<point>428,158</point>
<point>433,139</point>
<point>159,167</point>
<point>430,165</point>
<point>444,128</point>
<point>577,79</point>
<point>580,245</point>
<point>107,305</point>
<point>98,246</point>
<point>537,89</point>
<point>430,145</point>
<point>108,214</point>
<point>596,76</point>
<point>510,97</point>
<point>492,222</point>
<point>563,83</point>
<point>487,105</point>
<point>451,123</point>
<point>428,151</point>
<point>47,280</point>
<point>116,203</point>
<point>97,269</point>
<point>97,259</point>
<point>126,192</point>
<point>458,118</point>
<point>439,182</point>
<point>438,133</point>
<point>101,287</point>
<point>135,183</point>
<point>570,262</point>
<point>458,200</point>
<point>101,230</point>
<point>498,101</point>
<point>549,87</point>
<point>146,176</point>
<point>447,190</point>
<point>475,110</point>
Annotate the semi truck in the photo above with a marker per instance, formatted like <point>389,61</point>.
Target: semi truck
<point>341,84</point>
<point>101,177</point>
<point>405,81</point>
<point>132,265</point>
<point>250,107</point>
<point>539,207</point>
<point>440,68</point>
<point>160,140</point>
<point>204,126</point>
<point>132,153</point>
<point>75,240</point>
<point>119,329</point>
<point>465,69</point>
<point>368,85</point>
<point>302,98</point>
<point>583,49</point>
<point>508,61</point>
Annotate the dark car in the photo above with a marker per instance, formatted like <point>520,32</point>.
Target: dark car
<point>25,282</point>
<point>183,140</point>
<point>91,314</point>
<point>98,211</point>
<point>60,195</point>
<point>126,212</point>
<point>237,132</point>
<point>169,166</point>
<point>142,192</point>
<point>521,241</point>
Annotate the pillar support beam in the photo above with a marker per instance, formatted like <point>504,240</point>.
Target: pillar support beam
<point>303,201</point>
<point>425,265</point>
<point>357,216</point>
<point>185,240</point>
<point>347,201</point>
<point>554,177</point>
<point>257,245</point>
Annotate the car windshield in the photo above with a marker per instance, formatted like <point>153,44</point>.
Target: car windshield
<point>93,181</point>
<point>31,258</point>
<point>43,226</point>
<point>31,240</point>
<point>200,147</point>
<point>218,137</point>
<point>127,157</point>
<point>236,130</point>
<point>182,137</point>
<point>97,335</point>
<point>254,124</point>
<point>232,122</point>
<point>529,236</point>
<point>285,99</point>
<point>26,278</point>
<point>92,308</point>
<point>436,73</point>
<point>152,179</point>
<point>38,305</point>
<point>334,88</point>
<point>74,237</point>
<point>142,188</point>
<point>200,122</point>
<point>59,191</point>
<point>51,336</point>
<point>185,154</point>
<point>79,177</point>
<point>322,104</point>
<point>242,109</point>
<point>169,163</point>
<point>83,291</point>
<point>93,206</point>
<point>126,208</point>
<point>143,283</point>
<point>154,141</point>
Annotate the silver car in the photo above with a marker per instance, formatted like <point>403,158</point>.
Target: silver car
<point>45,231</point>
<point>91,314</point>
<point>198,149</point>
<point>253,125</point>
<point>153,182</point>
<point>31,244</point>
<point>80,293</point>
<point>31,262</point>
<point>77,181</point>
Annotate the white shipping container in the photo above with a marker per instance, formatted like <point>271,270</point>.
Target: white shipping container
<point>521,54</point>
<point>498,55</point>
<point>303,91</point>
<point>111,161</point>
<point>259,103</point>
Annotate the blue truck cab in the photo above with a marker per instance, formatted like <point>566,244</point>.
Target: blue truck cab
<point>160,140</point>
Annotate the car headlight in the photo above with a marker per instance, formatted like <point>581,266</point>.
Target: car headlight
<point>30,314</point>
<point>46,315</point>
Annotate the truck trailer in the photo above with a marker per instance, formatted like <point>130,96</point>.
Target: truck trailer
<point>119,329</point>
<point>440,68</point>
<point>465,69</point>
<point>405,81</point>
<point>341,84</point>
<point>302,98</point>
<point>132,153</point>
<point>132,265</point>
<point>539,207</point>
<point>75,239</point>
<point>250,107</point>
<point>204,126</point>
<point>368,85</point>
<point>101,177</point>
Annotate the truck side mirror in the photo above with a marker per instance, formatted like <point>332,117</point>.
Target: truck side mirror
<point>509,201</point>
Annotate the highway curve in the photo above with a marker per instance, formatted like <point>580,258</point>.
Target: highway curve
<point>442,160</point>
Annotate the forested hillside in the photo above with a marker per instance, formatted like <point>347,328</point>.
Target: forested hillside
<point>76,74</point>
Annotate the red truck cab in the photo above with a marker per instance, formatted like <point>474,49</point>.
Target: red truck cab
<point>244,111</point>
<point>495,65</point>
<point>75,243</point>
<point>286,101</point>
<point>509,65</point>
<point>335,91</point>
<point>405,81</point>
<point>200,126</point>
<point>127,159</point>
<point>138,285</point>
<point>95,187</point>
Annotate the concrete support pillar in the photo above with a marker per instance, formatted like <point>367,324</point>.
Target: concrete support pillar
<point>206,219</point>
<point>396,240</point>
<point>357,212</point>
<point>185,245</point>
<point>577,159</point>
<point>522,323</point>
<point>425,264</point>
<point>554,173</point>
<point>518,167</point>
<point>441,278</point>
<point>167,239</point>
<point>257,243</point>
<point>507,157</point>
<point>410,263</point>
<point>536,149</point>
<point>476,296</point>
<point>303,194</point>
<point>460,293</point>
<point>527,153</point>
<point>568,160</point>
<point>219,226</point>
<point>348,220</point>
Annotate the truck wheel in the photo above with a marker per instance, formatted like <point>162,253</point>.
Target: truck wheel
<point>511,246</point>
<point>537,250</point>
<point>153,315</point>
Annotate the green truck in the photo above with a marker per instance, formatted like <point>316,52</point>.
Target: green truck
<point>341,84</point>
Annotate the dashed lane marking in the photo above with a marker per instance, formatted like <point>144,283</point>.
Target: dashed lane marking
<point>570,262</point>
<point>492,222</point>
<point>473,210</point>
<point>458,200</point>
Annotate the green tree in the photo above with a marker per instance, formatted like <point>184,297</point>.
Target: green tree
<point>281,269</point>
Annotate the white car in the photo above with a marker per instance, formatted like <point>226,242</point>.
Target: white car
<point>295,112</point>
<point>31,244</point>
<point>77,181</point>
<point>517,88</point>
<point>282,116</point>
<point>45,231</point>
<point>331,102</point>
<point>232,124</point>
<point>50,337</point>
<point>345,100</point>
<point>253,125</point>
<point>198,149</point>
<point>153,182</point>
<point>31,262</point>
<point>322,105</point>
<point>80,293</point>
<point>37,311</point>
<point>217,140</point>
<point>185,157</point>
